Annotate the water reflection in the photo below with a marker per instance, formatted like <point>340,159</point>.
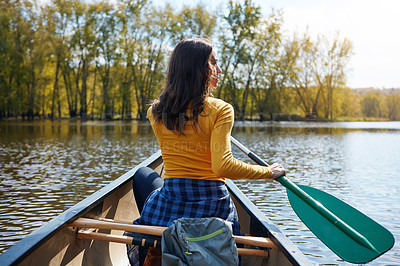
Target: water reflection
<point>360,167</point>
<point>48,167</point>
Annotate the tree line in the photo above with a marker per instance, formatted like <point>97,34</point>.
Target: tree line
<point>103,60</point>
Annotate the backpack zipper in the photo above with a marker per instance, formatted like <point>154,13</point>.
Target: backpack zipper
<point>201,238</point>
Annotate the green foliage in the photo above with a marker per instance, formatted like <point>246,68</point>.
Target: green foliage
<point>239,53</point>
<point>191,22</point>
<point>101,59</point>
<point>393,104</point>
<point>371,105</point>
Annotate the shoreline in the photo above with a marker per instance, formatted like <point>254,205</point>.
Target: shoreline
<point>285,118</point>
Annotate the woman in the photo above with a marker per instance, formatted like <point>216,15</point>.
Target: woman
<point>193,130</point>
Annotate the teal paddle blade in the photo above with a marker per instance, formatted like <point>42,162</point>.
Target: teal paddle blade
<point>345,245</point>
<point>349,233</point>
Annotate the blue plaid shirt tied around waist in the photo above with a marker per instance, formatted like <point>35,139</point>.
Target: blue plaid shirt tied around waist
<point>188,198</point>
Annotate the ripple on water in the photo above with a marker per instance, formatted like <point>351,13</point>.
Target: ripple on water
<point>50,167</point>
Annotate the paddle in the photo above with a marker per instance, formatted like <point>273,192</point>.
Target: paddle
<point>350,234</point>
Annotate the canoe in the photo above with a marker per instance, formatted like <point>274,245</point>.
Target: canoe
<point>56,243</point>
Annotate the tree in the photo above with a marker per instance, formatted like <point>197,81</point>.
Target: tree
<point>393,104</point>
<point>236,35</point>
<point>329,64</point>
<point>34,59</point>
<point>190,22</point>
<point>58,15</point>
<point>147,63</point>
<point>370,104</point>
<point>83,44</point>
<point>301,75</point>
<point>349,103</point>
<point>131,25</point>
<point>6,51</point>
<point>270,72</point>
<point>106,21</point>
<point>13,74</point>
<point>319,70</point>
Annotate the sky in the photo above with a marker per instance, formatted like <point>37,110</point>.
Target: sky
<point>372,26</point>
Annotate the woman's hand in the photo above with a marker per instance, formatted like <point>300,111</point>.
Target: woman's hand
<point>277,170</point>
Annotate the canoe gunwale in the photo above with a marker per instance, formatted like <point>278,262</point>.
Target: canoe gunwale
<point>29,243</point>
<point>295,256</point>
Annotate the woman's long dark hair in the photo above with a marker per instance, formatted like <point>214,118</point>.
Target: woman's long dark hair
<point>186,83</point>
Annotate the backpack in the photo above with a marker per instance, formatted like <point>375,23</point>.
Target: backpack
<point>199,241</point>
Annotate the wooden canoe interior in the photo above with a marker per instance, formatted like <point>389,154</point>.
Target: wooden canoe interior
<point>63,248</point>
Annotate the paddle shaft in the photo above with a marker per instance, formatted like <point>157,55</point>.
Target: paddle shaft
<point>339,223</point>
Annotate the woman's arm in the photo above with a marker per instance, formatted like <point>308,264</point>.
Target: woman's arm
<point>222,161</point>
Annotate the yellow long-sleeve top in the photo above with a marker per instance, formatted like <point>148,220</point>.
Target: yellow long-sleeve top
<point>204,153</point>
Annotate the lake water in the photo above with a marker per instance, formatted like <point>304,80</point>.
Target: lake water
<point>46,167</point>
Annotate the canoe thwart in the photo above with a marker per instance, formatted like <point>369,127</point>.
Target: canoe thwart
<point>158,230</point>
<point>83,234</point>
